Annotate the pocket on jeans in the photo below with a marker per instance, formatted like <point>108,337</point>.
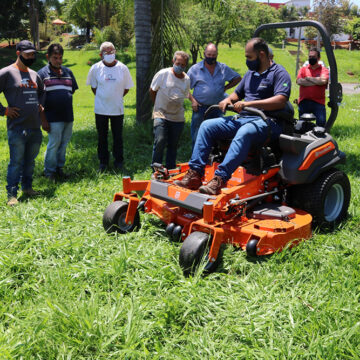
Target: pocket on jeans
<point>158,122</point>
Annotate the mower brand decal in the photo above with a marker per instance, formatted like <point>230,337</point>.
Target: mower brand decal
<point>177,195</point>
<point>315,154</point>
<point>323,151</point>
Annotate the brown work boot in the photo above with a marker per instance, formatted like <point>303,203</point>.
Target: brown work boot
<point>12,201</point>
<point>31,192</point>
<point>213,187</point>
<point>191,180</point>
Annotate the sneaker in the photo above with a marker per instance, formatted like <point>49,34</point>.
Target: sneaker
<point>191,180</point>
<point>30,192</point>
<point>12,200</point>
<point>213,187</point>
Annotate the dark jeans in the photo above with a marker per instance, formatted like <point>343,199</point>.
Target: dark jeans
<point>198,117</point>
<point>245,131</point>
<point>102,126</point>
<point>166,133</point>
<point>310,106</point>
<point>24,146</point>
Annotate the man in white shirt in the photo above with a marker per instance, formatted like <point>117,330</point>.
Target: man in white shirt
<point>110,81</point>
<point>168,90</point>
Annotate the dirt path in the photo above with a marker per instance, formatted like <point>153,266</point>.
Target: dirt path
<point>351,88</point>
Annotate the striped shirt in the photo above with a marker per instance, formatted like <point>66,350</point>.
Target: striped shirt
<point>59,90</point>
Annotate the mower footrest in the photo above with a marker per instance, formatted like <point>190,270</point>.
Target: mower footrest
<point>273,211</point>
<point>194,201</point>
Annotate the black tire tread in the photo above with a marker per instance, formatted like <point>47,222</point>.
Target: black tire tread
<point>310,197</point>
<point>112,214</point>
<point>192,252</point>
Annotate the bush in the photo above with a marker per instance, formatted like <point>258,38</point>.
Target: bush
<point>77,41</point>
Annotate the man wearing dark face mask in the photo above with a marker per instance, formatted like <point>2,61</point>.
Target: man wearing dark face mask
<point>168,90</point>
<point>60,85</point>
<point>265,86</point>
<point>24,93</point>
<point>313,80</point>
<point>208,78</point>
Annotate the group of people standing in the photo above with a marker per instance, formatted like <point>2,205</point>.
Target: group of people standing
<point>44,99</point>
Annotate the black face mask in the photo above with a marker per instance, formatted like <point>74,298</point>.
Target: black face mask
<point>27,62</point>
<point>312,61</point>
<point>210,60</point>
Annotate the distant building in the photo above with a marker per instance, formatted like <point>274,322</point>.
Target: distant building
<point>298,3</point>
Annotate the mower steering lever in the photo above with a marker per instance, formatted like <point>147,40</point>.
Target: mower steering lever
<point>251,110</point>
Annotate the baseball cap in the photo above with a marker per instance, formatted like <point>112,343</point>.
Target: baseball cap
<point>25,46</point>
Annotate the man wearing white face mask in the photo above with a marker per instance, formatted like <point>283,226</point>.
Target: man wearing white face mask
<point>110,81</point>
<point>168,90</point>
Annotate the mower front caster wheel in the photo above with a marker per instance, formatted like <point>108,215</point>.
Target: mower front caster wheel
<point>193,250</point>
<point>114,218</point>
<point>251,247</point>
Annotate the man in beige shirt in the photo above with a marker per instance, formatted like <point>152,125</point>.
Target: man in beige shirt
<point>168,90</point>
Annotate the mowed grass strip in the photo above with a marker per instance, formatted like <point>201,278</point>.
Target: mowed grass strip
<point>69,291</point>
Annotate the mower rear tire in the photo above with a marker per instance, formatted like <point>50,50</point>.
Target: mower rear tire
<point>326,199</point>
<point>114,218</point>
<point>194,248</point>
<point>251,247</point>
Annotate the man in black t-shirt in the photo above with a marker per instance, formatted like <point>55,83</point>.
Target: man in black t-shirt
<point>60,85</point>
<point>24,93</point>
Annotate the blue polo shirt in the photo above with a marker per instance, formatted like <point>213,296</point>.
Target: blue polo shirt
<point>209,89</point>
<point>59,90</point>
<point>274,81</point>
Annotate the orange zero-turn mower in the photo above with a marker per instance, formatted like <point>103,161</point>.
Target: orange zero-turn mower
<point>271,201</point>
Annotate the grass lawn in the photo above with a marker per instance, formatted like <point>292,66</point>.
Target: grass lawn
<point>69,291</point>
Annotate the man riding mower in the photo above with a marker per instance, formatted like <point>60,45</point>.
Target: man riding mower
<point>287,183</point>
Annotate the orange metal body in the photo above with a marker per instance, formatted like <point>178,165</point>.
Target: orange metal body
<point>217,218</point>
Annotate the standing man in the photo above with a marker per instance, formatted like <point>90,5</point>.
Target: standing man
<point>168,90</point>
<point>110,81</point>
<point>313,80</point>
<point>208,78</point>
<point>60,85</point>
<point>24,93</point>
<point>265,86</point>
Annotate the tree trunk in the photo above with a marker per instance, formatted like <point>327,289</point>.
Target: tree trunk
<point>143,58</point>
<point>87,35</point>
<point>194,53</point>
<point>34,23</point>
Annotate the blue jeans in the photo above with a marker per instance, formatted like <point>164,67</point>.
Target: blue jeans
<point>310,106</point>
<point>59,136</point>
<point>246,131</point>
<point>24,146</point>
<point>166,133</point>
<point>197,119</point>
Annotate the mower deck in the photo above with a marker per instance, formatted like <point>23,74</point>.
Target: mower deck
<point>225,216</point>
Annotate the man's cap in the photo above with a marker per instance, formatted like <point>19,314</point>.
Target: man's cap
<point>25,46</point>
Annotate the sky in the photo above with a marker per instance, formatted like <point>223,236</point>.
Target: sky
<point>354,2</point>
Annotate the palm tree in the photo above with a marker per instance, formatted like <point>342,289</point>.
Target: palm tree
<point>143,57</point>
<point>82,13</point>
<point>34,22</point>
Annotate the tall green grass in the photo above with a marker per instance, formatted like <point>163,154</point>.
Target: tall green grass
<point>69,291</point>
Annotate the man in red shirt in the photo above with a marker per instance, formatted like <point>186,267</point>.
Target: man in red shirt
<point>313,80</point>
